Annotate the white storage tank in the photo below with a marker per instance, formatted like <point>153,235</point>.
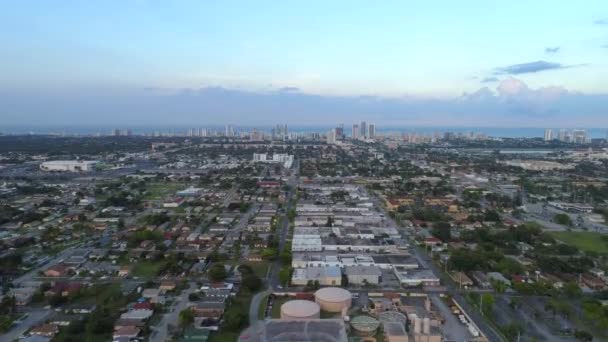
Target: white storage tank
<point>300,309</point>
<point>333,299</point>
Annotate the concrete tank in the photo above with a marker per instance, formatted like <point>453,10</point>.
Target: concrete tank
<point>300,309</point>
<point>333,299</point>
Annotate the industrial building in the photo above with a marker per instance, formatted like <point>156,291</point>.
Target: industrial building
<point>361,275</point>
<point>69,165</point>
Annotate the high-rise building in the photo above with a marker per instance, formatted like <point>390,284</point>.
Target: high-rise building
<point>363,129</point>
<point>331,137</point>
<point>563,135</point>
<point>371,131</point>
<point>340,131</point>
<point>355,132</point>
<point>548,134</point>
<point>229,131</point>
<point>579,136</point>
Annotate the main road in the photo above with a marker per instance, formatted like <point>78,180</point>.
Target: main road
<point>426,262</point>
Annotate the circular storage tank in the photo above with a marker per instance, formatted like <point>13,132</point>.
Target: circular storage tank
<point>365,325</point>
<point>300,309</point>
<point>333,299</point>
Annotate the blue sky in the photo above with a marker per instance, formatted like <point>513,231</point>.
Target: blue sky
<point>76,60</point>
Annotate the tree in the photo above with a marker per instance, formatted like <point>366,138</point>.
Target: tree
<point>563,219</point>
<point>285,275</point>
<point>217,272</point>
<point>583,336</point>
<point>234,320</point>
<point>487,301</point>
<point>252,282</point>
<point>572,290</point>
<point>491,216</point>
<point>186,317</point>
<point>441,230</point>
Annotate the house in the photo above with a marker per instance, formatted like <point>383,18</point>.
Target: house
<point>214,310</point>
<point>128,332</point>
<point>461,279</point>
<point>79,308</point>
<point>143,306</point>
<point>432,241</point>
<point>64,320</point>
<point>124,271</point>
<point>121,323</point>
<point>592,282</point>
<point>47,330</point>
<point>167,285</point>
<point>58,270</point>
<point>498,277</point>
<point>142,314</point>
<point>23,295</point>
<point>63,289</point>
<point>151,293</point>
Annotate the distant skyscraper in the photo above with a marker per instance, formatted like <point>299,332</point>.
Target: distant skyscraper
<point>340,131</point>
<point>579,136</point>
<point>371,131</point>
<point>331,137</point>
<point>229,132</point>
<point>355,132</point>
<point>363,129</point>
<point>548,134</point>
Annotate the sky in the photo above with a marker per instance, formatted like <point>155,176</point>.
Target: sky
<point>196,62</point>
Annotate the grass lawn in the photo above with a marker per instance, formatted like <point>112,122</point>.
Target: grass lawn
<point>224,336</point>
<point>327,315</point>
<point>259,268</point>
<point>147,269</point>
<point>156,191</point>
<point>262,309</point>
<point>276,306</point>
<point>585,241</point>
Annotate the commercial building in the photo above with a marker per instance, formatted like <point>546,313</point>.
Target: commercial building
<point>371,134</point>
<point>362,275</point>
<point>326,276</point>
<point>355,132</point>
<point>69,165</point>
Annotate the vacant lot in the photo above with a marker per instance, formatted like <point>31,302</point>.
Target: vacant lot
<point>585,241</point>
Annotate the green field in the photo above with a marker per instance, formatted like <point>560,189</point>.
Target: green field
<point>156,191</point>
<point>276,306</point>
<point>585,241</point>
<point>147,269</point>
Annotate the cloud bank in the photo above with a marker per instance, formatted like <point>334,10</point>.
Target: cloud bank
<point>510,103</point>
<point>531,67</point>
